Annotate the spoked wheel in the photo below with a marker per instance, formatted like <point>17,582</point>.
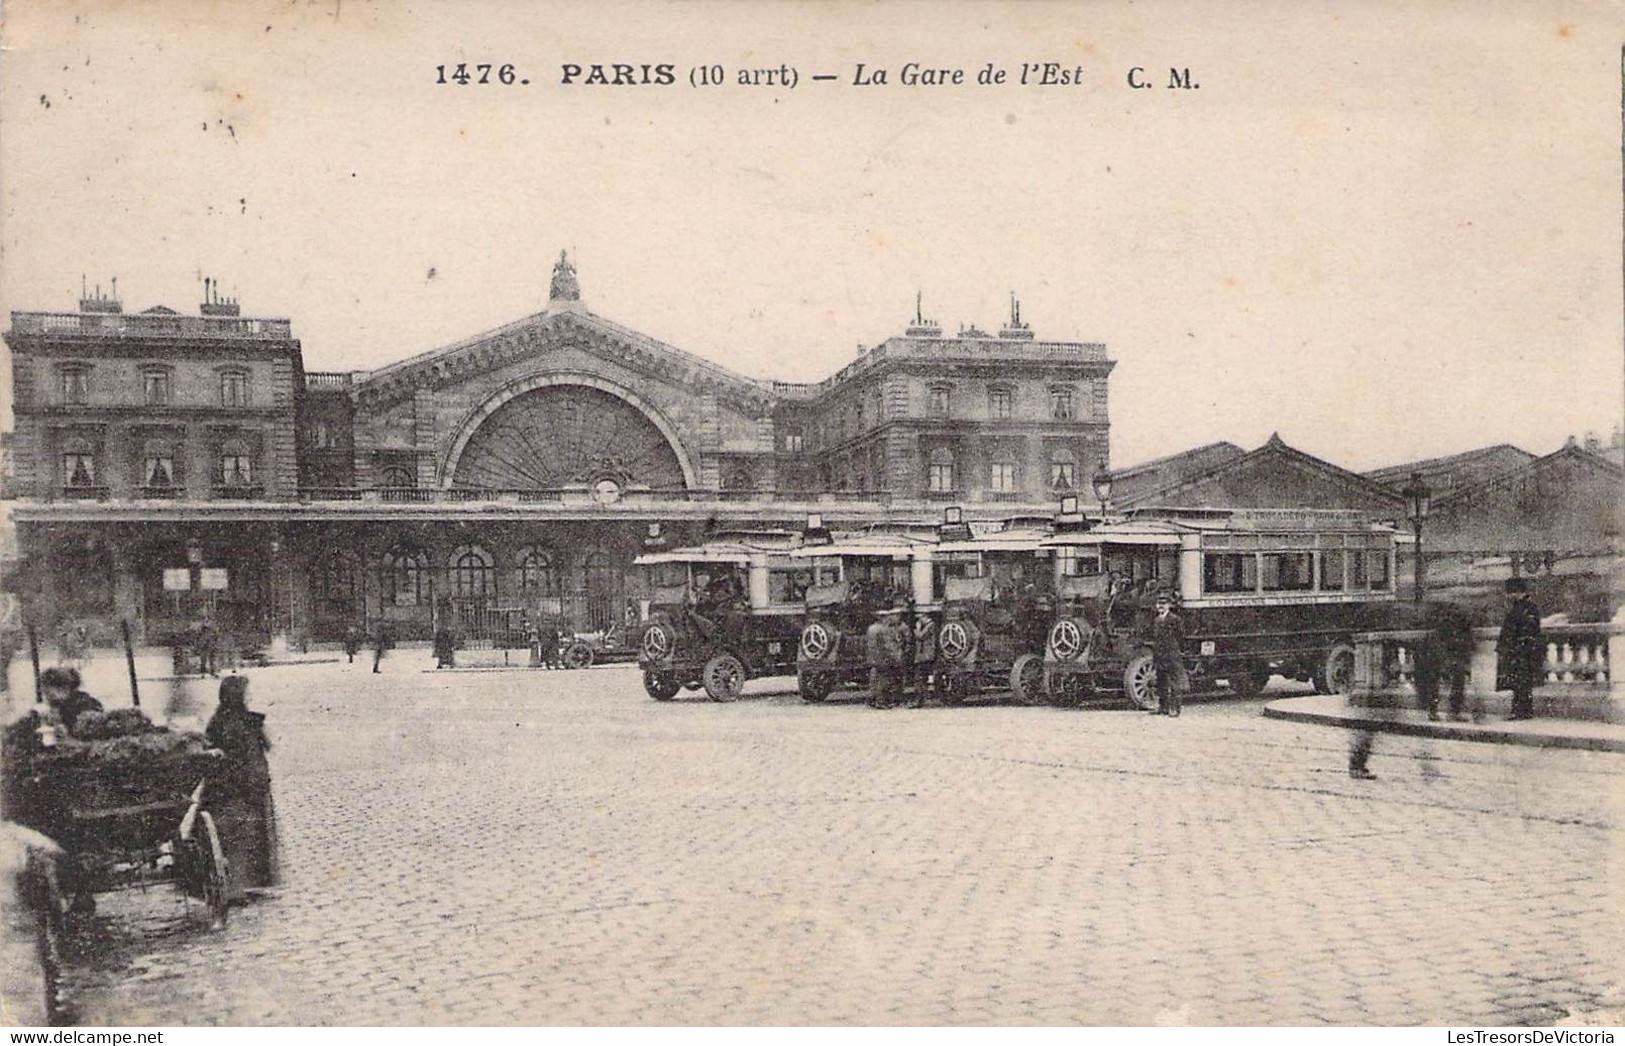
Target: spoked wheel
<point>214,869</point>
<point>662,686</point>
<point>814,686</point>
<point>1336,675</point>
<point>578,655</point>
<point>1140,682</point>
<point>1027,680</point>
<point>724,677</point>
<point>46,897</point>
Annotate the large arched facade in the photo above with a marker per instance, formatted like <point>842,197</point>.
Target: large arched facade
<point>558,430</point>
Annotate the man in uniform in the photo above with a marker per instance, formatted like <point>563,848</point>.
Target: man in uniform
<point>887,642</point>
<point>1167,656</point>
<point>1521,651</point>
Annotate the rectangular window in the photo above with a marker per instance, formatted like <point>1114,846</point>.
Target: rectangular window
<point>155,387</point>
<point>1289,571</point>
<point>75,387</point>
<point>1063,475</point>
<point>1003,479</point>
<point>233,389</point>
<point>1377,569</point>
<point>1229,572</point>
<point>999,404</point>
<point>785,587</point>
<point>159,471</point>
<point>1331,570</point>
<point>1077,564</point>
<point>78,470</point>
<point>793,442</point>
<point>941,477</point>
<point>939,403</point>
<point>236,470</point>
<point>1060,404</point>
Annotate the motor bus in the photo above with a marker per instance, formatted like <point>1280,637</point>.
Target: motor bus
<point>998,594</point>
<point>854,575</point>
<point>722,613</point>
<point>1260,592</point>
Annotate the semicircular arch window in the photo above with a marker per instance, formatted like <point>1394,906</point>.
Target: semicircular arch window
<point>567,435</point>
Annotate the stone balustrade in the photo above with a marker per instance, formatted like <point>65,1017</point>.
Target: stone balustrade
<point>1579,679</point>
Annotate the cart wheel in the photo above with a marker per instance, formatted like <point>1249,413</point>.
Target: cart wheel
<point>1027,680</point>
<point>212,869</point>
<point>46,897</point>
<point>578,655</point>
<point>724,677</point>
<point>662,686</point>
<point>814,686</point>
<point>1139,682</point>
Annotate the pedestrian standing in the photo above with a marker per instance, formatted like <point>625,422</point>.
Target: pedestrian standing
<point>1168,657</point>
<point>1443,659</point>
<point>241,795</point>
<point>887,648</point>
<point>352,642</point>
<point>382,641</point>
<point>207,648</point>
<point>1520,663</point>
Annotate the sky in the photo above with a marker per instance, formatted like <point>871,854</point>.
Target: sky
<point>1386,231</point>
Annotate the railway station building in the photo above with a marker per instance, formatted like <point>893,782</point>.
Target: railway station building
<point>170,466</point>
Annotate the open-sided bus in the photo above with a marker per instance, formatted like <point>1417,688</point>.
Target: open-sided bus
<point>854,576</point>
<point>998,594</point>
<point>1260,591</point>
<point>722,613</point>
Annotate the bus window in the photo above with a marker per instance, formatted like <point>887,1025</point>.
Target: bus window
<point>1288,571</point>
<point>1331,570</point>
<point>1229,572</point>
<point>788,584</point>
<point>1377,569</point>
<point>1077,564</point>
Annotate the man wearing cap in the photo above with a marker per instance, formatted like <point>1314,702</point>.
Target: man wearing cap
<point>60,688</point>
<point>887,640</point>
<point>1521,651</point>
<point>1167,656</point>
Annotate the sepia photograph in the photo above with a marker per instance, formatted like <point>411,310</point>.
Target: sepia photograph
<point>820,514</point>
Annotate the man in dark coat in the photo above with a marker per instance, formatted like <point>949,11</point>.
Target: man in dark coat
<point>1521,651</point>
<point>1443,659</point>
<point>60,688</point>
<point>887,640</point>
<point>352,642</point>
<point>1167,656</point>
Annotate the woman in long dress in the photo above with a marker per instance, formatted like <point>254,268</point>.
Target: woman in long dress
<point>241,797</point>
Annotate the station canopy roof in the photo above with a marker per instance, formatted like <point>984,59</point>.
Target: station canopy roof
<point>1021,540</point>
<point>860,544</point>
<point>738,553</point>
<point>1127,532</point>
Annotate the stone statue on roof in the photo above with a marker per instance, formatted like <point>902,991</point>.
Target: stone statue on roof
<point>564,286</point>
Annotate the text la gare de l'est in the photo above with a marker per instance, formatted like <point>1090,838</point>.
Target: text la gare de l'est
<point>863,74</point>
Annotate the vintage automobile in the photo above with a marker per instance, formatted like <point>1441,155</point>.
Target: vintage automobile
<point>855,575</point>
<point>721,613</point>
<point>1260,592</point>
<point>997,596</point>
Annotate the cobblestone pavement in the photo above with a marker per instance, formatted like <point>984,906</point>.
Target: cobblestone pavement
<point>555,848</point>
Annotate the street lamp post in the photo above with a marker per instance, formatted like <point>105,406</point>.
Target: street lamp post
<point>1102,482</point>
<point>1418,500</point>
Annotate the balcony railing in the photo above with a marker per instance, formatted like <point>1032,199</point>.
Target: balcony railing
<point>238,491</point>
<point>163,493</point>
<point>140,325</point>
<point>315,379</point>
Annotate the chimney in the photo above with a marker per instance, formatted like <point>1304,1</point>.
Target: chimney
<point>96,302</point>
<point>213,304</point>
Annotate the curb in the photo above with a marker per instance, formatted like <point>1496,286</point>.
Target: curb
<point>1281,709</point>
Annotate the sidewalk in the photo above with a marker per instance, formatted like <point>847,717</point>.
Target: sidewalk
<point>1334,710</point>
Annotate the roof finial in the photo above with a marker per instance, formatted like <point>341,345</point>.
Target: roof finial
<point>564,286</point>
